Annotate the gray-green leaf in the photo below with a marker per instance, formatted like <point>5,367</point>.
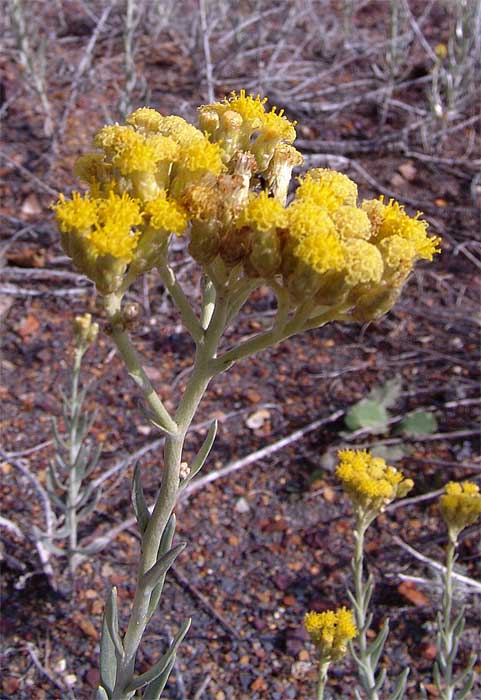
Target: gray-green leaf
<point>138,501</point>
<point>154,574</point>
<point>108,659</point>
<point>367,414</point>
<point>157,670</point>
<point>418,423</point>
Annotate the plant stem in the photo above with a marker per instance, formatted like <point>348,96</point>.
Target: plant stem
<point>189,318</point>
<point>446,632</point>
<point>134,366</point>
<point>173,448</point>
<point>323,668</point>
<point>280,331</point>
<point>362,604</point>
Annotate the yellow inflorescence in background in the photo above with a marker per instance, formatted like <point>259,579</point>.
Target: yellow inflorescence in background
<point>330,631</point>
<point>369,482</point>
<point>225,185</point>
<point>460,505</point>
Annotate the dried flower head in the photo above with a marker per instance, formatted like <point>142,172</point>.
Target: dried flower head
<point>330,631</point>
<point>460,506</point>
<point>369,482</point>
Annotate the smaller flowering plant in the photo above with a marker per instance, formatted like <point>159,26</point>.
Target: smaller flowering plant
<point>460,506</point>
<point>330,631</point>
<point>371,485</point>
<point>369,482</point>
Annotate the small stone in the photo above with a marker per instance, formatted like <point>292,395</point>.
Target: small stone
<point>256,420</point>
<point>300,669</point>
<point>242,505</point>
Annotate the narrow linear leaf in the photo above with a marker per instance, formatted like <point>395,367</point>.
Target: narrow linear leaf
<point>90,507</point>
<point>50,547</point>
<point>58,438</point>
<point>94,460</point>
<point>84,496</point>
<point>400,686</point>
<point>52,480</point>
<point>62,463</point>
<point>353,600</point>
<point>101,694</point>
<point>61,533</point>
<point>167,536</point>
<point>112,619</point>
<point>164,547</point>
<point>458,625</point>
<point>203,453</point>
<point>380,680</point>
<point>376,648</point>
<point>157,670</point>
<point>465,691</point>
<point>108,659</point>
<point>56,500</point>
<point>152,576</point>
<point>138,501</point>
<point>155,688</point>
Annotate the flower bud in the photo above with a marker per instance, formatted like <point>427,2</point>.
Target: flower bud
<point>204,243</point>
<point>85,332</point>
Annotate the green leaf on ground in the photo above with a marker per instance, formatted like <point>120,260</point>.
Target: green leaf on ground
<point>418,423</point>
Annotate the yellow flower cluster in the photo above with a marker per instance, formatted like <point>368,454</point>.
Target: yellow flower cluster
<point>369,482</point>
<point>225,185</point>
<point>460,505</point>
<point>330,631</point>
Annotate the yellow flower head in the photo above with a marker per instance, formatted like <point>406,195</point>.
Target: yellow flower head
<point>362,262</point>
<point>76,214</point>
<point>330,631</point>
<point>276,125</point>
<point>352,222</point>
<point>395,222</point>
<point>250,108</point>
<point>145,119</point>
<point>200,155</point>
<point>369,482</point>
<point>115,137</point>
<point>328,189</point>
<point>113,234</point>
<point>460,506</point>
<point>305,217</point>
<point>397,252</point>
<point>321,252</point>
<point>178,129</point>
<point>262,213</point>
<point>166,215</point>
